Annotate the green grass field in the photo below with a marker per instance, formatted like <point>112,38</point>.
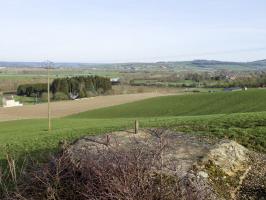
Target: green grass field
<point>186,105</point>
<point>240,116</point>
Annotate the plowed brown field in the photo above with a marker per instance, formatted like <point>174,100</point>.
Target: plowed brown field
<point>64,108</point>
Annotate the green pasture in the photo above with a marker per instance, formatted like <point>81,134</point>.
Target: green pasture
<point>236,115</point>
<point>186,105</point>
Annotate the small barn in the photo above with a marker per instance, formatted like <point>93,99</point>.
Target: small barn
<point>9,101</point>
<point>232,89</point>
<point>115,81</point>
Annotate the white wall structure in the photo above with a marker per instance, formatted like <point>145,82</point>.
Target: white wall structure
<point>10,102</point>
<point>114,79</point>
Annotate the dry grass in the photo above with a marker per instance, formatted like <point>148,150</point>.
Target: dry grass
<point>128,89</point>
<point>8,84</point>
<point>107,175</point>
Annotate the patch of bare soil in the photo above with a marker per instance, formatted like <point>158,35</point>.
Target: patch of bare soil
<point>254,185</point>
<point>64,108</point>
<point>181,150</point>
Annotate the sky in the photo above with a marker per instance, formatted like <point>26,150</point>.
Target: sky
<point>102,31</point>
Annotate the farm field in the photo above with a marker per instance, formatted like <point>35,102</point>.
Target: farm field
<point>187,105</point>
<point>141,100</point>
<point>203,114</point>
<point>11,78</point>
<point>64,108</point>
<point>31,136</point>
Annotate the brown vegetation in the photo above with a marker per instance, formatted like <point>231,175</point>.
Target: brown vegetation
<point>107,175</point>
<point>136,167</point>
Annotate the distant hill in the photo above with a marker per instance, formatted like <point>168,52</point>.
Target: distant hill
<point>177,65</point>
<point>261,63</point>
<point>42,64</point>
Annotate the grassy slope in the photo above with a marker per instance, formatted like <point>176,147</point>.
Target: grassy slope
<point>31,136</point>
<point>186,105</point>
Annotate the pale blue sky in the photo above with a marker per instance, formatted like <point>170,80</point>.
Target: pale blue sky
<point>132,30</point>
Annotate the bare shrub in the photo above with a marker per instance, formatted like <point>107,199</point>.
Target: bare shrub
<point>106,175</point>
<point>140,90</point>
<point>10,174</point>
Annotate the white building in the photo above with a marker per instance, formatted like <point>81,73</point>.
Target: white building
<point>10,102</point>
<point>115,81</point>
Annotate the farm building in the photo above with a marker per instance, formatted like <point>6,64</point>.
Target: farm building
<point>115,81</point>
<point>10,102</point>
<point>232,89</point>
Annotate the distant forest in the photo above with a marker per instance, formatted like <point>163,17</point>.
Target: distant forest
<point>68,87</point>
<point>81,86</point>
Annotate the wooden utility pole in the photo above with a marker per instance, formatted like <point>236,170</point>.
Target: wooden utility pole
<point>48,96</point>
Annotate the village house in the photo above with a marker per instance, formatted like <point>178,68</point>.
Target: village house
<point>10,102</point>
<point>115,81</point>
<point>232,89</point>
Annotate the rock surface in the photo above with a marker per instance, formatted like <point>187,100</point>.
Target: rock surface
<point>254,185</point>
<point>180,153</point>
<point>229,156</point>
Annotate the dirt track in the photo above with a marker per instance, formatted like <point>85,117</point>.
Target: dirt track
<point>64,108</point>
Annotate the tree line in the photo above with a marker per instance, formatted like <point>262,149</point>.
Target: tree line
<point>81,86</point>
<point>31,89</point>
<point>68,87</point>
<point>217,79</point>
